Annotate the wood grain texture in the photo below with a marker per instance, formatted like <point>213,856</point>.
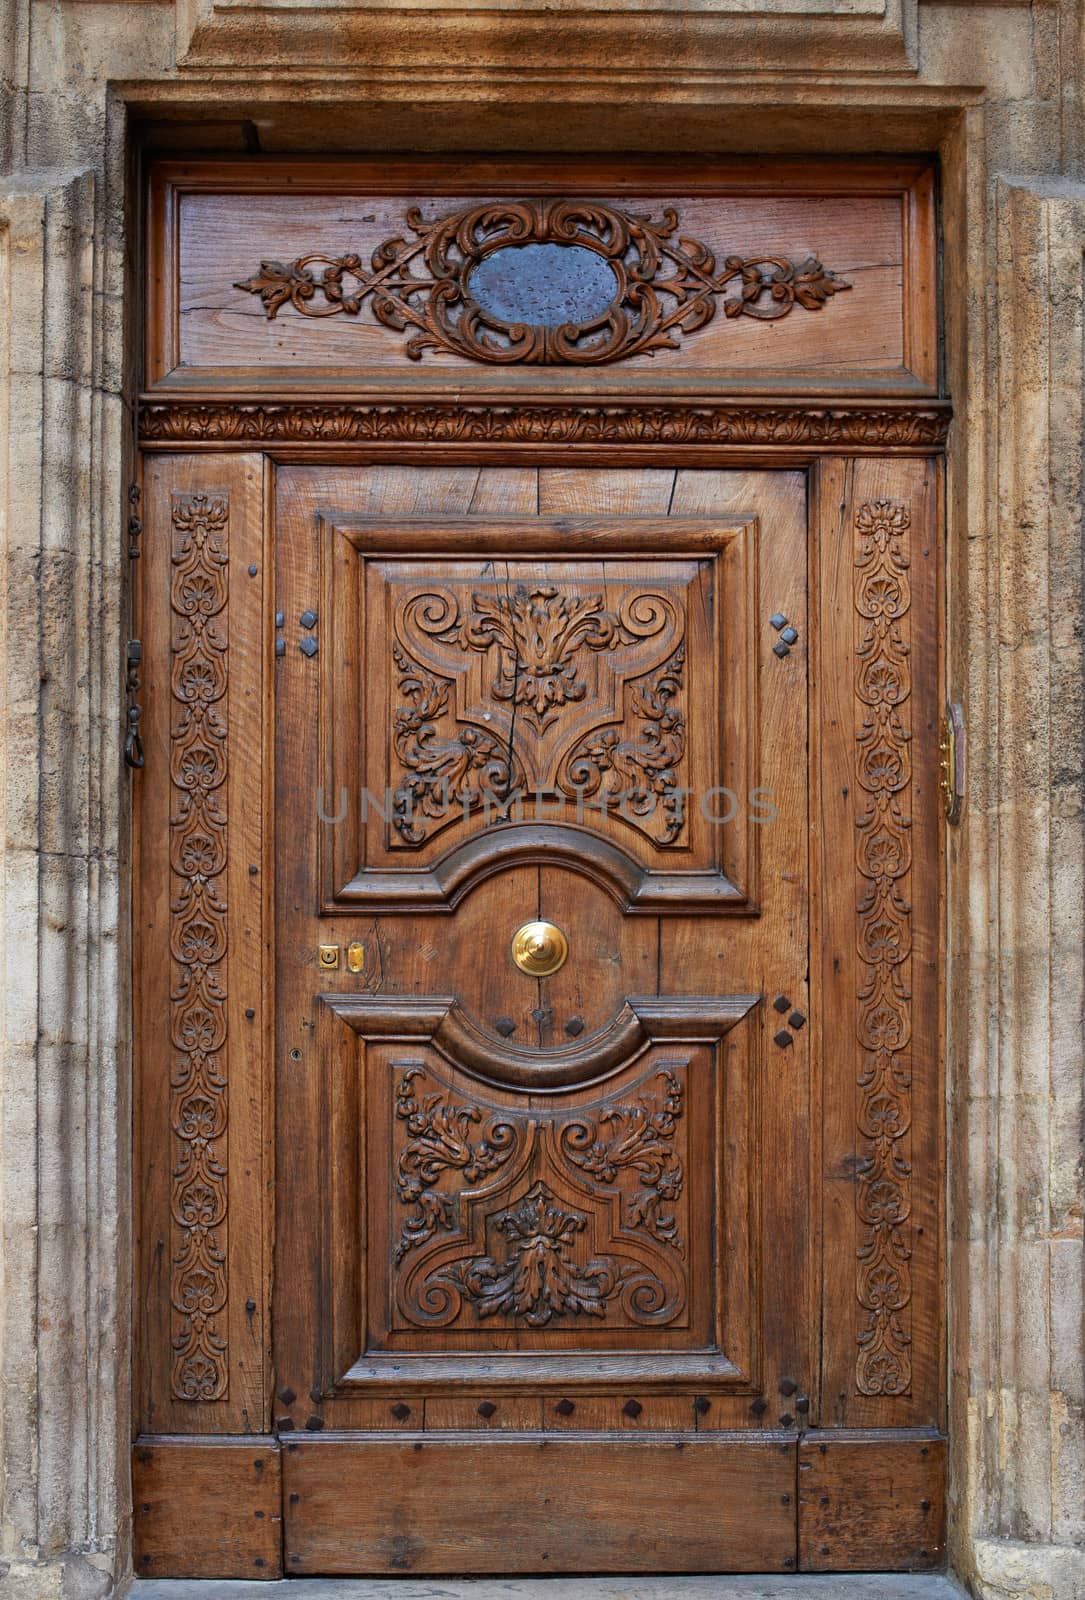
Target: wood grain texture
<point>879,704</point>
<point>870,1501</point>
<point>207,1508</point>
<point>203,1121</point>
<point>213,224</point>
<point>416,1505</point>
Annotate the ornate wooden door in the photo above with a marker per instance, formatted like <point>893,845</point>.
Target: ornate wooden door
<point>538,1099</point>
<point>523,1201</point>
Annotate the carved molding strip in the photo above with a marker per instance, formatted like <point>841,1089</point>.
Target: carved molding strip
<point>882,596</point>
<point>199,594</point>
<point>582,284</point>
<point>911,425</point>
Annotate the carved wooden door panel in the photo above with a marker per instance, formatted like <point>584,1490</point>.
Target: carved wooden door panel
<point>571,1206</point>
<point>539,1092</point>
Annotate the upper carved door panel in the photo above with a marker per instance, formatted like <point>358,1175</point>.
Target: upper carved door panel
<point>528,279</point>
<point>587,698</point>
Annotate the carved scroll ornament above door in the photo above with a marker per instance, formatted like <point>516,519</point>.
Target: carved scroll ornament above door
<point>544,283</point>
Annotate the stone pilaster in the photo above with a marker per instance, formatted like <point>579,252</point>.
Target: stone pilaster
<point>63,1111</point>
<point>1017,887</point>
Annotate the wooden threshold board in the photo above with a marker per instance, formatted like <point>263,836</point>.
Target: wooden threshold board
<point>423,1503</point>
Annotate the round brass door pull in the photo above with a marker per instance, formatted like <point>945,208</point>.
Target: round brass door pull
<point>539,949</point>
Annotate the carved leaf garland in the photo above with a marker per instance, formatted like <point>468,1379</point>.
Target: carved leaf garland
<point>199,593</point>
<point>883,855</point>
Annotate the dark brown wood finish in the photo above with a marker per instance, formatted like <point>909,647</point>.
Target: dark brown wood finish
<point>651,1218</point>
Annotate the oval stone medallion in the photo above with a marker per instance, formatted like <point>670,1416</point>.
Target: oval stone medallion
<point>543,285</point>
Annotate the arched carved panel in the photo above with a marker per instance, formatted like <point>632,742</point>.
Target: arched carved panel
<point>565,687</point>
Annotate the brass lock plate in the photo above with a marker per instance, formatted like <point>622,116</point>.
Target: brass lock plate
<point>539,949</point>
<point>328,956</point>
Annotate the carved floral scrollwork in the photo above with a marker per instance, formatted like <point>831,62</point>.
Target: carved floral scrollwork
<point>541,638</point>
<point>539,1265</point>
<point>539,632</point>
<point>198,1086</point>
<point>883,854</point>
<point>440,1140</point>
<point>639,1138</point>
<point>440,773</point>
<point>643,769</point>
<point>664,285</point>
<point>539,1278</point>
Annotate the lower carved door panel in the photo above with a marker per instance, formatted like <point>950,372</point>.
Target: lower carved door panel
<point>540,1085</point>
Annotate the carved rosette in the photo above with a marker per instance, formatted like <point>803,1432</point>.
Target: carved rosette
<point>649,285</point>
<point>538,1219</point>
<point>883,856</point>
<point>199,593</point>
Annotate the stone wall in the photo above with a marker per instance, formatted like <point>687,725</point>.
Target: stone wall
<point>997,90</point>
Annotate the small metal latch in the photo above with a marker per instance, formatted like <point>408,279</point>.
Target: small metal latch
<point>951,745</point>
<point>133,744</point>
<point>328,955</point>
<point>355,957</point>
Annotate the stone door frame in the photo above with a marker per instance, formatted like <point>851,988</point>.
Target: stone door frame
<point>68,297</point>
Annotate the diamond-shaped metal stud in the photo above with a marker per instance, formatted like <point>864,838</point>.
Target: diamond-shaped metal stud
<point>778,621</point>
<point>400,1411</point>
<point>486,1409</point>
<point>308,647</point>
<point>308,619</point>
<point>574,1027</point>
<point>701,1405</point>
<point>783,1038</point>
<point>789,635</point>
<point>565,1408</point>
<point>796,1019</point>
<point>632,1408</point>
<point>504,1026</point>
<point>781,1003</point>
<point>280,647</point>
<point>780,650</point>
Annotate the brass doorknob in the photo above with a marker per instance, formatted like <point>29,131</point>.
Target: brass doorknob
<point>539,949</point>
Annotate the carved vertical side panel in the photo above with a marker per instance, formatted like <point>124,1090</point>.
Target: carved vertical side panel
<point>883,824</point>
<point>879,676</point>
<point>199,1104</point>
<point>203,1113</point>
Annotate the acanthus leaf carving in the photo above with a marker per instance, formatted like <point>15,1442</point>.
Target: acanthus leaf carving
<point>439,773</point>
<point>908,425</point>
<point>659,284</point>
<point>638,1138</point>
<point>456,1160</point>
<point>644,768</point>
<point>199,594</point>
<point>540,1278</point>
<point>440,1139</point>
<point>883,855</point>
